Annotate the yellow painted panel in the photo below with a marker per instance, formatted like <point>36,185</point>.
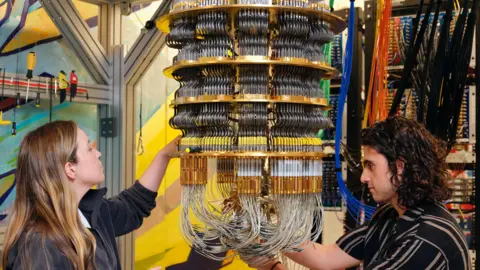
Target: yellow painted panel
<point>39,26</point>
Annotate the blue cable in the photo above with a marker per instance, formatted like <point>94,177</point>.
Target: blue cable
<point>354,206</point>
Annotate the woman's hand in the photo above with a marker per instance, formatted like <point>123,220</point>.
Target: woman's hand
<point>170,148</point>
<point>153,175</point>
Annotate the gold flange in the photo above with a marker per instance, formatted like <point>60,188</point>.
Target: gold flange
<point>302,100</point>
<point>337,25</point>
<point>253,58</point>
<point>201,99</point>
<point>193,170</point>
<point>249,60</point>
<point>248,184</point>
<point>322,102</point>
<point>295,185</point>
<point>295,60</point>
<point>252,98</point>
<point>306,155</point>
<point>214,58</point>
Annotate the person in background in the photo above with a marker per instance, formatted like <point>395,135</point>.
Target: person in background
<point>406,173</point>
<point>58,221</point>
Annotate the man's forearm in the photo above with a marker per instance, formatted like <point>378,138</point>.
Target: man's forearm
<point>311,256</point>
<point>153,175</point>
<point>323,257</point>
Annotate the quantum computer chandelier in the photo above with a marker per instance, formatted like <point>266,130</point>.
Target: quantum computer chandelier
<point>250,107</point>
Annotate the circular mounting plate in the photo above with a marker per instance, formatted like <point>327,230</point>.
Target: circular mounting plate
<point>337,25</point>
<point>322,102</point>
<point>253,60</point>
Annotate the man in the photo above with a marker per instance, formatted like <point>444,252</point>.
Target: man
<point>405,170</point>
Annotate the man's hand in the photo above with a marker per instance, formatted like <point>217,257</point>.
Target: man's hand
<point>273,264</point>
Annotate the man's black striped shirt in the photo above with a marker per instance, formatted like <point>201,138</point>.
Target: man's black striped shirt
<point>424,237</point>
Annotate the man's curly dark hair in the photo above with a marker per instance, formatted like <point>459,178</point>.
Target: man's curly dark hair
<point>425,175</point>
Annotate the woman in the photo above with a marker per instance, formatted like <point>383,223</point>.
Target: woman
<point>58,221</point>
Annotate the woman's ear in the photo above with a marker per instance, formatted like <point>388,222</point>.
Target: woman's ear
<point>71,171</point>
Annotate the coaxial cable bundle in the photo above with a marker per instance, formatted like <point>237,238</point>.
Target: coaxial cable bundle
<point>252,127</point>
<point>190,83</point>
<point>355,207</point>
<point>319,35</point>
<point>182,37</point>
<point>292,34</point>
<point>250,108</point>
<point>439,77</point>
<point>253,79</point>
<point>252,32</point>
<point>378,92</point>
<point>214,27</point>
<point>218,80</point>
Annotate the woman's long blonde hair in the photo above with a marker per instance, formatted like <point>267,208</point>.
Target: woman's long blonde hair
<point>45,202</point>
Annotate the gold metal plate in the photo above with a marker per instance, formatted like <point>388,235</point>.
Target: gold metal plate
<point>337,25</point>
<point>322,102</point>
<point>249,60</point>
<point>295,185</point>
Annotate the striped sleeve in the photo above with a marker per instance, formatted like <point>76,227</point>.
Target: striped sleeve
<point>353,243</point>
<point>405,255</point>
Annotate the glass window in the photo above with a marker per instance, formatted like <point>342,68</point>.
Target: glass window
<point>132,24</point>
<point>90,14</point>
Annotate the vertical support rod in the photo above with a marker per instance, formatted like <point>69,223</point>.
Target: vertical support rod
<point>477,128</point>
<point>370,26</point>
<point>354,112</point>
<point>50,94</point>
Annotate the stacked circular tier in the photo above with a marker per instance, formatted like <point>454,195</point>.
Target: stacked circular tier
<point>250,107</point>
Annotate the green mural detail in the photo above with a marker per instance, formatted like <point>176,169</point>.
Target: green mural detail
<point>29,117</point>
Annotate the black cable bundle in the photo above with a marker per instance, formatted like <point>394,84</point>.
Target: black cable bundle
<point>218,80</point>
<point>426,67</point>
<point>213,26</point>
<point>452,100</point>
<point>412,52</point>
<point>443,86</point>
<point>252,32</point>
<point>440,64</point>
<point>182,37</point>
<point>292,35</point>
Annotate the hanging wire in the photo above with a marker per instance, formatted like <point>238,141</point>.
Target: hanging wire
<point>354,206</point>
<point>140,149</point>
